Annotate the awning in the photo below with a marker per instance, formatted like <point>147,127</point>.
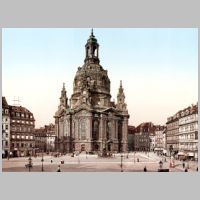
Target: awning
<point>190,154</point>
<point>181,154</point>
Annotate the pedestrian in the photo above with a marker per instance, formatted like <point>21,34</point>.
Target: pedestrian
<point>188,165</point>
<point>51,161</point>
<point>145,169</point>
<point>183,165</point>
<point>197,169</point>
<point>58,170</point>
<point>138,160</point>
<point>186,170</point>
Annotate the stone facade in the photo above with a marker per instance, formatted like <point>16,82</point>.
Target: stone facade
<point>91,121</point>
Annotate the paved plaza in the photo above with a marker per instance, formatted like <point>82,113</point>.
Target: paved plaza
<point>92,163</point>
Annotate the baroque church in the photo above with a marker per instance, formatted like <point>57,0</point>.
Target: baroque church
<point>90,121</point>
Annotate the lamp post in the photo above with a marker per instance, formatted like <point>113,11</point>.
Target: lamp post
<point>134,156</point>
<point>121,163</point>
<point>42,160</point>
<point>29,163</point>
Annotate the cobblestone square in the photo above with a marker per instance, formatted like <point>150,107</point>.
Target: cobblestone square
<point>92,163</point>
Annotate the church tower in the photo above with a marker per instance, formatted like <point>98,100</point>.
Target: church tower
<point>63,98</point>
<point>121,105</point>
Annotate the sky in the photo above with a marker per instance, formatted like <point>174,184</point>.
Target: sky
<point>158,68</point>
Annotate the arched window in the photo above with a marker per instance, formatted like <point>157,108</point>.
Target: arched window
<point>108,130</point>
<point>82,129</point>
<point>119,131</point>
<point>95,135</point>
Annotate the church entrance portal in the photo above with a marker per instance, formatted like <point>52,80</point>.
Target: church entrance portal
<point>83,147</point>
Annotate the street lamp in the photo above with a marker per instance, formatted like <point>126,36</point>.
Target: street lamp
<point>78,159</point>
<point>134,156</point>
<point>29,163</point>
<point>121,163</point>
<point>42,160</point>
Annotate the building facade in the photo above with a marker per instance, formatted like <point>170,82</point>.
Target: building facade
<point>188,132</point>
<point>152,140</point>
<point>131,138</point>
<point>172,135</point>
<point>160,139</point>
<point>22,125</point>
<point>182,133</point>
<point>5,129</point>
<point>40,140</point>
<point>91,121</point>
<point>45,138</point>
<point>50,137</point>
<point>142,136</point>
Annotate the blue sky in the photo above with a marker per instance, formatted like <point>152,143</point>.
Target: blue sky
<point>158,67</point>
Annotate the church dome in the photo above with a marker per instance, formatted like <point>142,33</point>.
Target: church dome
<point>92,77</point>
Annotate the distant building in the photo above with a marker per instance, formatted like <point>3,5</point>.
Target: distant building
<point>131,137</point>
<point>5,128</point>
<point>160,139</point>
<point>45,138</point>
<point>50,135</point>
<point>152,140</point>
<point>172,135</point>
<point>188,132</point>
<point>142,136</point>
<point>40,140</point>
<point>22,125</point>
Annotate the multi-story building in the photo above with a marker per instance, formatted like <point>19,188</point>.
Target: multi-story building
<point>5,129</point>
<point>50,135</point>
<point>22,125</point>
<point>182,133</point>
<point>91,121</point>
<point>45,138</point>
<point>172,138</point>
<point>40,140</point>
<point>152,140</point>
<point>165,141</point>
<point>188,132</point>
<point>160,139</point>
<point>142,138</point>
<point>131,135</point>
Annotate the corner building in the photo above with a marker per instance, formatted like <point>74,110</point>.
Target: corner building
<point>91,121</point>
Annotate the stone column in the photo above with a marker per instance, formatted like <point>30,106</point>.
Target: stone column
<point>90,136</point>
<point>125,135</point>
<point>101,132</point>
